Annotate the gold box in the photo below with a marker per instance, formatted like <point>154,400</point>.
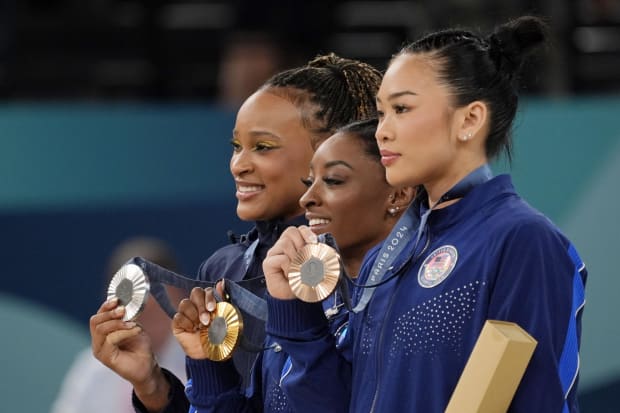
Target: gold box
<point>494,369</point>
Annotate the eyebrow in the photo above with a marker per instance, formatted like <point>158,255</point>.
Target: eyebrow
<point>334,163</point>
<point>258,133</point>
<point>397,95</point>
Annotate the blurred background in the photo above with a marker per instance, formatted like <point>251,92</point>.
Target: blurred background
<point>116,117</point>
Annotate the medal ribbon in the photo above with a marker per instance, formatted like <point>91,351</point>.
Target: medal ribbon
<point>242,298</point>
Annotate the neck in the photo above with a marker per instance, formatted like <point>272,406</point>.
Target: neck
<point>352,259</point>
<point>353,255</point>
<point>437,188</point>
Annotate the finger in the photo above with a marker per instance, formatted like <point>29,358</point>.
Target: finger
<point>199,298</point>
<point>220,287</point>
<point>279,266</point>
<point>103,323</point>
<point>107,311</point>
<point>307,234</point>
<point>119,336</point>
<point>182,324</point>
<point>289,243</point>
<point>291,250</point>
<point>188,309</point>
<point>107,328</point>
<point>108,305</point>
<point>210,304</point>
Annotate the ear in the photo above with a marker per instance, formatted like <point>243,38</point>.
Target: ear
<point>471,120</point>
<point>399,200</point>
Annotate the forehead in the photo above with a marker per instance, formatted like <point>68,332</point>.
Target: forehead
<point>265,110</point>
<point>412,72</point>
<point>340,146</point>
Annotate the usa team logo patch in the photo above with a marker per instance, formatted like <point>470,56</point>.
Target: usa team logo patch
<point>437,266</point>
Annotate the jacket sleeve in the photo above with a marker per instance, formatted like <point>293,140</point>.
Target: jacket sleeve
<point>319,379</point>
<point>177,402</point>
<point>216,387</point>
<point>540,286</point>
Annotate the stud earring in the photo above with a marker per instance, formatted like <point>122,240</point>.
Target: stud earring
<point>392,211</point>
<point>466,137</point>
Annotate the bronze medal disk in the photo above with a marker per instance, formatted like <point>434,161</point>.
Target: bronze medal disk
<point>220,338</point>
<point>314,273</point>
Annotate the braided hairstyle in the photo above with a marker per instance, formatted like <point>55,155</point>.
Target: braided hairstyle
<point>330,92</point>
<point>485,68</point>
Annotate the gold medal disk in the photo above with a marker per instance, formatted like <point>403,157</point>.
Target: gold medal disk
<point>220,338</point>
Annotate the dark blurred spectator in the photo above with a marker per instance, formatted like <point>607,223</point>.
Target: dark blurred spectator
<point>249,59</point>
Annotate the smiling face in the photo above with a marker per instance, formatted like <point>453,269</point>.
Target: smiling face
<point>271,152</point>
<point>347,194</point>
<point>417,130</point>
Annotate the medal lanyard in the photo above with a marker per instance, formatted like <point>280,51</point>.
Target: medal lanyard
<point>241,297</point>
<point>401,234</point>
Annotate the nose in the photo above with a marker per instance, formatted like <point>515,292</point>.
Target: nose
<point>384,131</point>
<point>310,197</point>
<point>240,163</point>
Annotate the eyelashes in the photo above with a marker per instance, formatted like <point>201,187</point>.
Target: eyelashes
<point>258,147</point>
<point>327,180</point>
<point>307,182</point>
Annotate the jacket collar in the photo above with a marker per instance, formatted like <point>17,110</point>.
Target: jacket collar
<point>268,232</point>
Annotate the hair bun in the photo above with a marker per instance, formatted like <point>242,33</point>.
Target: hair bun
<point>512,41</point>
<point>330,60</point>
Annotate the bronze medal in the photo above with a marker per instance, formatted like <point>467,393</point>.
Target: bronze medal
<point>131,287</point>
<point>220,338</point>
<point>313,274</point>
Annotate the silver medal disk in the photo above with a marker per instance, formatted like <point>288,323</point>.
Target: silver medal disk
<point>131,287</point>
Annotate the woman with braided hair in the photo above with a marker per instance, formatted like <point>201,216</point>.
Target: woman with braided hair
<point>470,250</point>
<point>342,168</point>
<point>276,132</point>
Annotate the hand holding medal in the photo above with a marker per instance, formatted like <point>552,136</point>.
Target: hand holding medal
<point>204,327</point>
<point>313,274</point>
<point>298,266</point>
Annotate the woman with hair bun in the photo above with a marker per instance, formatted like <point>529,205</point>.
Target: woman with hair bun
<point>472,250</point>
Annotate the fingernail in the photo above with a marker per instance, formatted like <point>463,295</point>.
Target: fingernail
<point>313,239</point>
<point>205,319</point>
<point>112,300</point>
<point>210,306</point>
<point>119,310</point>
<point>131,324</point>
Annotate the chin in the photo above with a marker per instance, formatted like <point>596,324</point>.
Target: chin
<point>245,214</point>
<point>395,179</point>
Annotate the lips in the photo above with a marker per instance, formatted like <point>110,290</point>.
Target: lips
<point>388,157</point>
<point>317,223</point>
<point>246,190</point>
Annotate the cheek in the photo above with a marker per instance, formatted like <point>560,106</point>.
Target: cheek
<point>352,207</point>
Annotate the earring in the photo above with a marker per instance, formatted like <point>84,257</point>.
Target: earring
<point>466,137</point>
<point>392,211</point>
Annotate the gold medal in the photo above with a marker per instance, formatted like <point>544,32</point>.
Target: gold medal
<point>314,273</point>
<point>220,338</point>
<point>131,287</point>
